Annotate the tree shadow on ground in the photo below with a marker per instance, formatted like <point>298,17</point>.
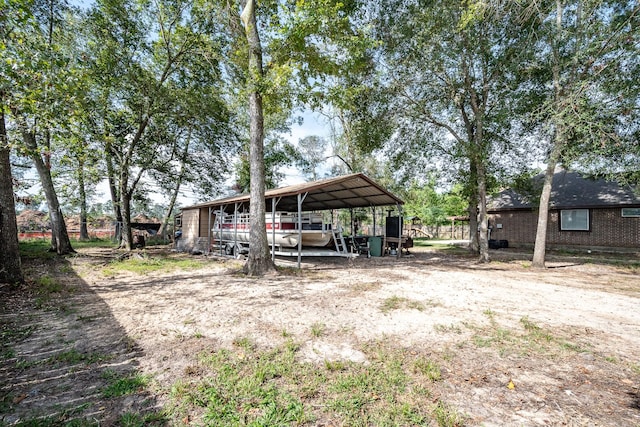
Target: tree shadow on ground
<point>64,358</point>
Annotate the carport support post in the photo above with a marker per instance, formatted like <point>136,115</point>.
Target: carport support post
<point>399,229</point>
<point>221,223</point>
<point>208,251</point>
<point>300,200</point>
<point>274,203</point>
<point>373,209</point>
<point>235,228</point>
<point>352,225</point>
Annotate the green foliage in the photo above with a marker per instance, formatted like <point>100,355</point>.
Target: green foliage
<point>432,207</point>
<point>278,153</point>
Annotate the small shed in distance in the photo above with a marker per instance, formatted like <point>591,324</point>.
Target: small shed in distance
<point>343,192</point>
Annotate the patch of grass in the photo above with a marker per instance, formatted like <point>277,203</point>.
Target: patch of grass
<point>534,339</point>
<point>397,303</point>
<point>49,285</point>
<point>448,416</point>
<point>68,417</point>
<point>334,365</point>
<point>130,419</point>
<point>147,265</point>
<point>534,331</point>
<point>428,368</point>
<point>456,329</point>
<point>274,387</point>
<point>317,329</point>
<point>12,334</point>
<point>122,385</point>
<point>36,248</point>
<point>93,242</point>
<point>363,287</point>
<point>66,268</point>
<point>46,288</point>
<point>73,356</point>
<point>243,342</point>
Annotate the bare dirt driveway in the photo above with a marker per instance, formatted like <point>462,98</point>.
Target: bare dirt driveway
<point>513,345</point>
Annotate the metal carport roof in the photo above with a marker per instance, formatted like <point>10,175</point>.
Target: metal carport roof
<point>348,191</point>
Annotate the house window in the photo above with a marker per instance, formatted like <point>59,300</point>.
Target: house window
<point>630,212</point>
<point>574,220</point>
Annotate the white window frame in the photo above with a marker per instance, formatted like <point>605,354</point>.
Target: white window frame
<point>630,212</point>
<point>580,223</point>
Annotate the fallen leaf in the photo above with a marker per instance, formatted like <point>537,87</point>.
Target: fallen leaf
<point>511,385</point>
<point>19,398</point>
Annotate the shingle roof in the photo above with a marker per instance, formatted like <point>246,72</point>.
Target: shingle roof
<point>347,191</point>
<point>569,190</point>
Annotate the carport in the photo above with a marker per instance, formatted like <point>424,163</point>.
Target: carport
<point>343,192</point>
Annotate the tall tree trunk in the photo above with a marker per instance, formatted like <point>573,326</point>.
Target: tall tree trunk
<point>540,247</point>
<point>474,245</point>
<point>10,264</point>
<point>84,232</point>
<point>113,190</point>
<point>259,260</point>
<point>483,236</point>
<point>557,142</point>
<point>125,205</point>
<point>60,242</point>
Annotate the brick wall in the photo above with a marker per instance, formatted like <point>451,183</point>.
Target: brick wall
<point>608,229</point>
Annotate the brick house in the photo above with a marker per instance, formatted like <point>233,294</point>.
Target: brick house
<point>583,213</point>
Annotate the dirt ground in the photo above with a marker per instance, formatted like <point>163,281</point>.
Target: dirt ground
<point>474,319</point>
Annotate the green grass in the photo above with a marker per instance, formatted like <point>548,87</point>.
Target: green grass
<point>318,329</point>
<point>73,356</point>
<point>129,419</point>
<point>122,385</point>
<point>248,386</point>
<point>36,248</point>
<point>150,264</point>
<point>47,288</point>
<point>397,303</point>
<point>531,339</point>
<point>93,243</point>
<point>39,248</point>
<point>448,416</point>
<point>428,368</point>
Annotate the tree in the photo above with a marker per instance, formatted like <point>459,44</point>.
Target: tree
<point>259,260</point>
<point>10,263</point>
<point>278,153</point>
<point>587,50</point>
<point>431,206</point>
<point>149,60</point>
<point>38,98</point>
<point>313,153</point>
<point>304,43</point>
<point>451,70</point>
